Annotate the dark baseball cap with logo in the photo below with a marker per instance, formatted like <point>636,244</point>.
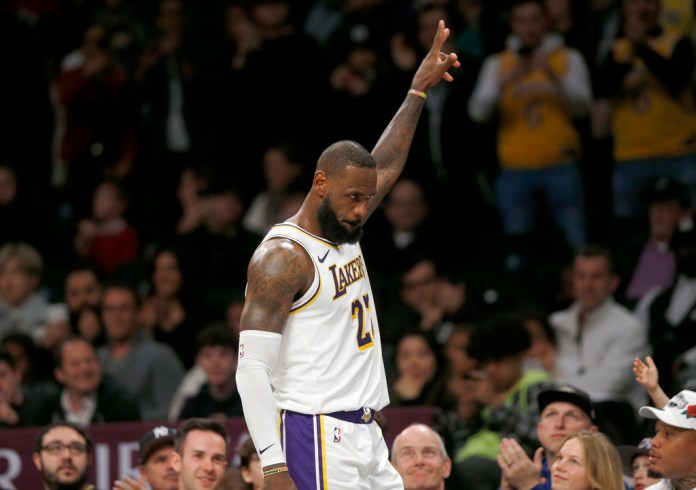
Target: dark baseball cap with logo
<point>155,439</point>
<point>569,394</point>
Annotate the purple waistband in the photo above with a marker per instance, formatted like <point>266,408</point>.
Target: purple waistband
<point>360,416</point>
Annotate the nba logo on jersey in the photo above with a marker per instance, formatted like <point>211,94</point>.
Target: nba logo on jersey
<point>241,350</point>
<point>337,434</point>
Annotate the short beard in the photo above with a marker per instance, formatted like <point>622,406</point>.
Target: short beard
<point>332,229</point>
<point>53,484</point>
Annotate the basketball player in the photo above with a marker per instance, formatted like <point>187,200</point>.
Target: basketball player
<point>310,343</point>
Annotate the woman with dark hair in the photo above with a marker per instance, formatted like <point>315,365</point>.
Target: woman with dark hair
<point>167,310</point>
<point>419,379</point>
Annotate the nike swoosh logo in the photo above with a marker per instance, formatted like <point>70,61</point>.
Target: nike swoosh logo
<point>322,259</point>
<point>264,449</point>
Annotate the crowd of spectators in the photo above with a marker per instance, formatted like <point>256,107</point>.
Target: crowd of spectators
<point>542,229</point>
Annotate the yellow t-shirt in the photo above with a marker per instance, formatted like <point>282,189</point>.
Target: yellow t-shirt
<point>536,129</point>
<point>677,17</point>
<point>649,122</point>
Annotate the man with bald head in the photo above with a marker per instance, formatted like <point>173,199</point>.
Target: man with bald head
<point>419,455</point>
<point>309,342</point>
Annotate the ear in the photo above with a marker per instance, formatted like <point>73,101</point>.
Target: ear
<point>58,373</point>
<point>446,468</point>
<point>320,183</point>
<point>37,461</point>
<point>176,462</point>
<point>245,474</point>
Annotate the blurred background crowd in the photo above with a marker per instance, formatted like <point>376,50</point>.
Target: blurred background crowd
<point>542,229</point>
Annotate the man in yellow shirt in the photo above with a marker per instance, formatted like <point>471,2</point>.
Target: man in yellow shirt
<point>648,77</point>
<point>536,86</point>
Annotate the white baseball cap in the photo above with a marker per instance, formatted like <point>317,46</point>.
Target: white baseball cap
<point>680,411</point>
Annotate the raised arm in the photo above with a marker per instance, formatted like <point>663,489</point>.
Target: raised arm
<point>278,271</point>
<point>392,148</point>
<point>648,376</point>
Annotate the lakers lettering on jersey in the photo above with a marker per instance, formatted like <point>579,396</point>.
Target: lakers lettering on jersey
<point>330,357</point>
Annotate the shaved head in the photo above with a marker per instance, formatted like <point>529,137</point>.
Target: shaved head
<point>343,154</point>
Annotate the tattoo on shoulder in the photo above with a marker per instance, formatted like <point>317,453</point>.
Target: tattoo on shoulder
<point>278,271</point>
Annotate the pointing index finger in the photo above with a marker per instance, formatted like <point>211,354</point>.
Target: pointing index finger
<point>440,37</point>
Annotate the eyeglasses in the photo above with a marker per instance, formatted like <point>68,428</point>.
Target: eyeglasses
<point>56,448</point>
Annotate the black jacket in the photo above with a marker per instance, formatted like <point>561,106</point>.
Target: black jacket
<point>114,404</point>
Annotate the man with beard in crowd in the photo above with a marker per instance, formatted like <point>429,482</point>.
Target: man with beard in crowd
<point>62,455</point>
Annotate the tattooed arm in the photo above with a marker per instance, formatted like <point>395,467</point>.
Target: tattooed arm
<point>278,271</point>
<point>392,148</point>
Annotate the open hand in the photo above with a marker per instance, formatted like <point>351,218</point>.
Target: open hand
<point>517,469</point>
<point>646,373</point>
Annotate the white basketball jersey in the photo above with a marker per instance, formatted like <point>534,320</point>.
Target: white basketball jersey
<point>330,357</point>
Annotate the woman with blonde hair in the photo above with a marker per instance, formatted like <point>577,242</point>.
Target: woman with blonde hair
<point>587,460</point>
